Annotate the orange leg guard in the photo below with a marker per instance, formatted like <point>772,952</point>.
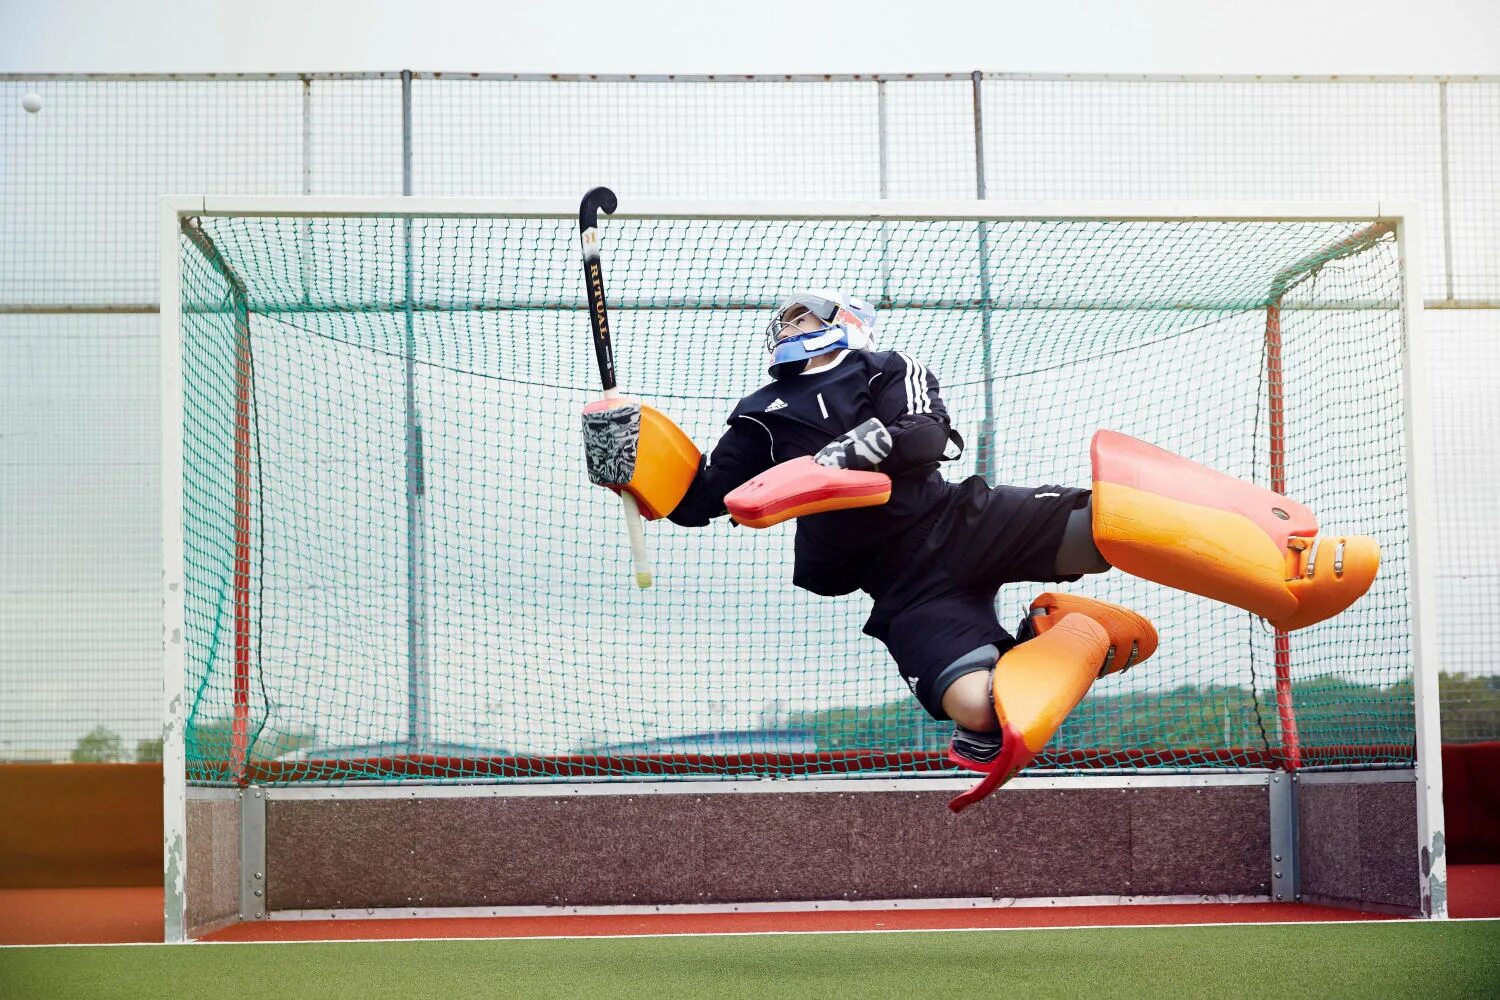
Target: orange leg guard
<point>1175,522</point>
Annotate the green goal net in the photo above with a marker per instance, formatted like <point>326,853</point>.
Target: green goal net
<point>395,567</point>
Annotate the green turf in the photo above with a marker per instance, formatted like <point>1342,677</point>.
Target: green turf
<point>1384,960</point>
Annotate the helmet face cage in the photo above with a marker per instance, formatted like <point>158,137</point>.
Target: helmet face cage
<point>845,323</point>
<point>786,318</point>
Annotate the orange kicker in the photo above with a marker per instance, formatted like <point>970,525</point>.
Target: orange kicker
<point>1037,683</point>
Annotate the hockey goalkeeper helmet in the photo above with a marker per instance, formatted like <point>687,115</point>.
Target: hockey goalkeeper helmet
<point>843,322</point>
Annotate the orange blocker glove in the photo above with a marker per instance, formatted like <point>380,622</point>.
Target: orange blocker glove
<point>801,487</point>
<point>634,448</point>
<point>840,476</point>
<point>637,452</point>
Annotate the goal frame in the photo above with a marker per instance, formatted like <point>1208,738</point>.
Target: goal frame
<point>1399,216</point>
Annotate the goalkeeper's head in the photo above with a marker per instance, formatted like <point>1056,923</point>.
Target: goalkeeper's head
<point>811,324</point>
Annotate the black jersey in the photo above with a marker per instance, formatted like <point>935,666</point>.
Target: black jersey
<point>796,416</point>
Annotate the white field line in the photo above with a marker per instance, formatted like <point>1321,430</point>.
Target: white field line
<point>1379,921</point>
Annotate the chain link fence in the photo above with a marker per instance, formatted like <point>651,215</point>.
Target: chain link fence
<point>79,179</point>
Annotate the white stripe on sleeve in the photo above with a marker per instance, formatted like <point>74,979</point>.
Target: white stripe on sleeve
<point>917,399</point>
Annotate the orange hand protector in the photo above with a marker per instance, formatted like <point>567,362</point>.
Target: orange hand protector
<point>1175,522</point>
<point>1038,682</point>
<point>649,457</point>
<point>802,486</point>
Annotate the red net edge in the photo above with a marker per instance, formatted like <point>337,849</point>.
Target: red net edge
<point>833,762</point>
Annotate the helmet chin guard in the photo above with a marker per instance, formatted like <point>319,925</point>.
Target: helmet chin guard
<point>848,323</point>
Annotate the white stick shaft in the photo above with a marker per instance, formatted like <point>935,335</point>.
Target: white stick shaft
<point>635,529</point>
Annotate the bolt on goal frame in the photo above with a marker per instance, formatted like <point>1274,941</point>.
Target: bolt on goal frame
<point>399,633</point>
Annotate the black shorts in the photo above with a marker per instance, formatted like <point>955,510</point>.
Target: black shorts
<point>935,590</point>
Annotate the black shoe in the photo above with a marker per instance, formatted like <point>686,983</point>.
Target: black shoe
<point>1027,629</point>
<point>976,751</point>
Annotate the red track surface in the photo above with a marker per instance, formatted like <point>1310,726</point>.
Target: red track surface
<point>970,918</point>
<point>80,916</point>
<point>88,916</point>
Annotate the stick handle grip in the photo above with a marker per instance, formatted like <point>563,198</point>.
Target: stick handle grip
<point>634,528</point>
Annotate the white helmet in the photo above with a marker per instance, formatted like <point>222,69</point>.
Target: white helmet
<point>848,323</point>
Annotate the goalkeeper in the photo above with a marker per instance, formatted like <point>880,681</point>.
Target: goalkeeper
<point>933,555</point>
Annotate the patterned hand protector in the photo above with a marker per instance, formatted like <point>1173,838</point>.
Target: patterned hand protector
<point>609,442</point>
<point>862,448</point>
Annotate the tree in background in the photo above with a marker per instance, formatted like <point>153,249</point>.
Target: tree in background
<point>212,740</point>
<point>98,746</point>
<point>1471,707</point>
<point>1331,711</point>
<point>148,751</point>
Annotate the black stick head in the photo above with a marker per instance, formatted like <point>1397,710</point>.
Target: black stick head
<point>597,200</point>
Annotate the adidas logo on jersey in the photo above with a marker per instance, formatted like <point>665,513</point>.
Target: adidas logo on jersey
<point>779,404</point>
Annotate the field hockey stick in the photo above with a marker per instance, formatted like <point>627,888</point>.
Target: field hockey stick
<point>597,200</point>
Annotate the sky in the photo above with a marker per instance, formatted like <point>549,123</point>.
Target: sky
<point>769,36</point>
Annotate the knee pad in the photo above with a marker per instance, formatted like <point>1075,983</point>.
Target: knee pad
<point>1175,522</point>
<point>1078,555</point>
<point>973,662</point>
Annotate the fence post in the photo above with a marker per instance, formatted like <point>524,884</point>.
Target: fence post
<point>984,457</point>
<point>885,191</point>
<point>305,227</point>
<point>1447,191</point>
<point>418,711</point>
